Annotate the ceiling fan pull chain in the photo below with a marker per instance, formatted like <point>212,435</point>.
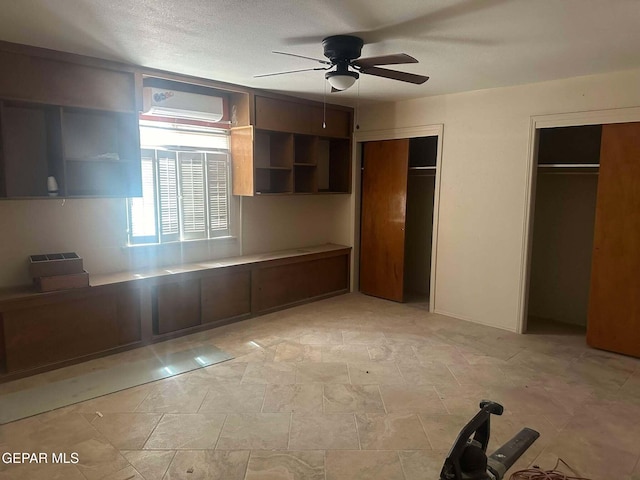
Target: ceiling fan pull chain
<point>358,107</point>
<point>324,104</point>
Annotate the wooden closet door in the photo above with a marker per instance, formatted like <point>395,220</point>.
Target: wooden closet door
<point>384,208</point>
<point>614,301</point>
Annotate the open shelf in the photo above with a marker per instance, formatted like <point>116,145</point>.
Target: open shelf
<point>273,150</point>
<point>423,152</point>
<point>88,152</point>
<point>306,150</point>
<point>273,180</point>
<point>31,148</point>
<point>333,172</point>
<point>281,157</point>
<point>569,145</point>
<point>306,180</point>
<point>99,151</point>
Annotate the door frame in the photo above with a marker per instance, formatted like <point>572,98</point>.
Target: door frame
<point>538,122</point>
<point>436,130</point>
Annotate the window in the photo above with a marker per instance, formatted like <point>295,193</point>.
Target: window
<point>185,185</point>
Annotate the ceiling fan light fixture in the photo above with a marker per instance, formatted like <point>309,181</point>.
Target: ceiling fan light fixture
<point>341,80</point>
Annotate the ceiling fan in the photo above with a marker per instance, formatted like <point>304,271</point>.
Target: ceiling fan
<point>343,52</point>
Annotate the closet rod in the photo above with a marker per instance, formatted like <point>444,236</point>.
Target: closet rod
<point>566,172</point>
<point>568,165</point>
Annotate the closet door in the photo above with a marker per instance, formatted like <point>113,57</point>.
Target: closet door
<point>384,207</point>
<point>614,300</point>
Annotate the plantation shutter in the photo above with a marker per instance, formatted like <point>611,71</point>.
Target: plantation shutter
<point>168,196</point>
<point>186,191</point>
<point>193,195</point>
<point>218,185</point>
<point>142,213</point>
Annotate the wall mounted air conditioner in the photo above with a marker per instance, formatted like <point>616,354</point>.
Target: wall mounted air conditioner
<point>171,103</point>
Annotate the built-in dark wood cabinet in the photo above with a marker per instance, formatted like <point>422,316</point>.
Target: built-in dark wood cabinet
<point>75,123</point>
<point>40,332</point>
<point>279,285</point>
<point>49,329</point>
<point>293,148</point>
<point>225,295</point>
<point>176,305</point>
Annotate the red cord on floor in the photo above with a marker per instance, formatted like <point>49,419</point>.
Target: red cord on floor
<point>539,474</point>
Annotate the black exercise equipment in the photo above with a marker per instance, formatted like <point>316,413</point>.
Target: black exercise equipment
<point>467,459</point>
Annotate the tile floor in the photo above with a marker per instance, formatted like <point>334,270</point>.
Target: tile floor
<point>352,387</point>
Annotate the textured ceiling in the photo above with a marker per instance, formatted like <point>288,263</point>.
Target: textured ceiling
<point>461,44</point>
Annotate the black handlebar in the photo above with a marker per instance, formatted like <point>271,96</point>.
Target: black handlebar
<point>467,459</point>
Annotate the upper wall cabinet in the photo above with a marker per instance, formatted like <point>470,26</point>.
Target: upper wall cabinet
<point>294,148</point>
<point>311,119</point>
<point>75,123</point>
<point>48,81</point>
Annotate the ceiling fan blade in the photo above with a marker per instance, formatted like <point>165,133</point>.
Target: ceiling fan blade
<point>480,42</point>
<point>394,59</point>
<point>419,25</point>
<point>395,75</point>
<point>290,71</point>
<point>302,56</point>
<point>304,40</point>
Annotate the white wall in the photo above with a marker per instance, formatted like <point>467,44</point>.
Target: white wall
<point>97,230</point>
<point>94,228</point>
<point>281,222</point>
<point>483,186</point>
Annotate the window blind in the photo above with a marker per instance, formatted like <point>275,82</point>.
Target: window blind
<point>192,193</point>
<point>218,185</point>
<point>186,185</point>
<point>142,213</point>
<point>168,196</point>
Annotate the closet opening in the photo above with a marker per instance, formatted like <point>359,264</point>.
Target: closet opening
<point>397,212</point>
<point>564,203</point>
<point>421,184</point>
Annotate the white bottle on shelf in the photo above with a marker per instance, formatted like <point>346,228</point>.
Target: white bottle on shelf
<point>52,186</point>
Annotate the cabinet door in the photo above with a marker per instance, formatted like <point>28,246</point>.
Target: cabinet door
<point>242,160</point>
<point>101,154</point>
<point>225,296</point>
<point>614,300</point>
<point>331,122</point>
<point>64,329</point>
<point>281,285</point>
<point>384,210</point>
<point>283,116</point>
<point>54,82</point>
<point>176,306</point>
